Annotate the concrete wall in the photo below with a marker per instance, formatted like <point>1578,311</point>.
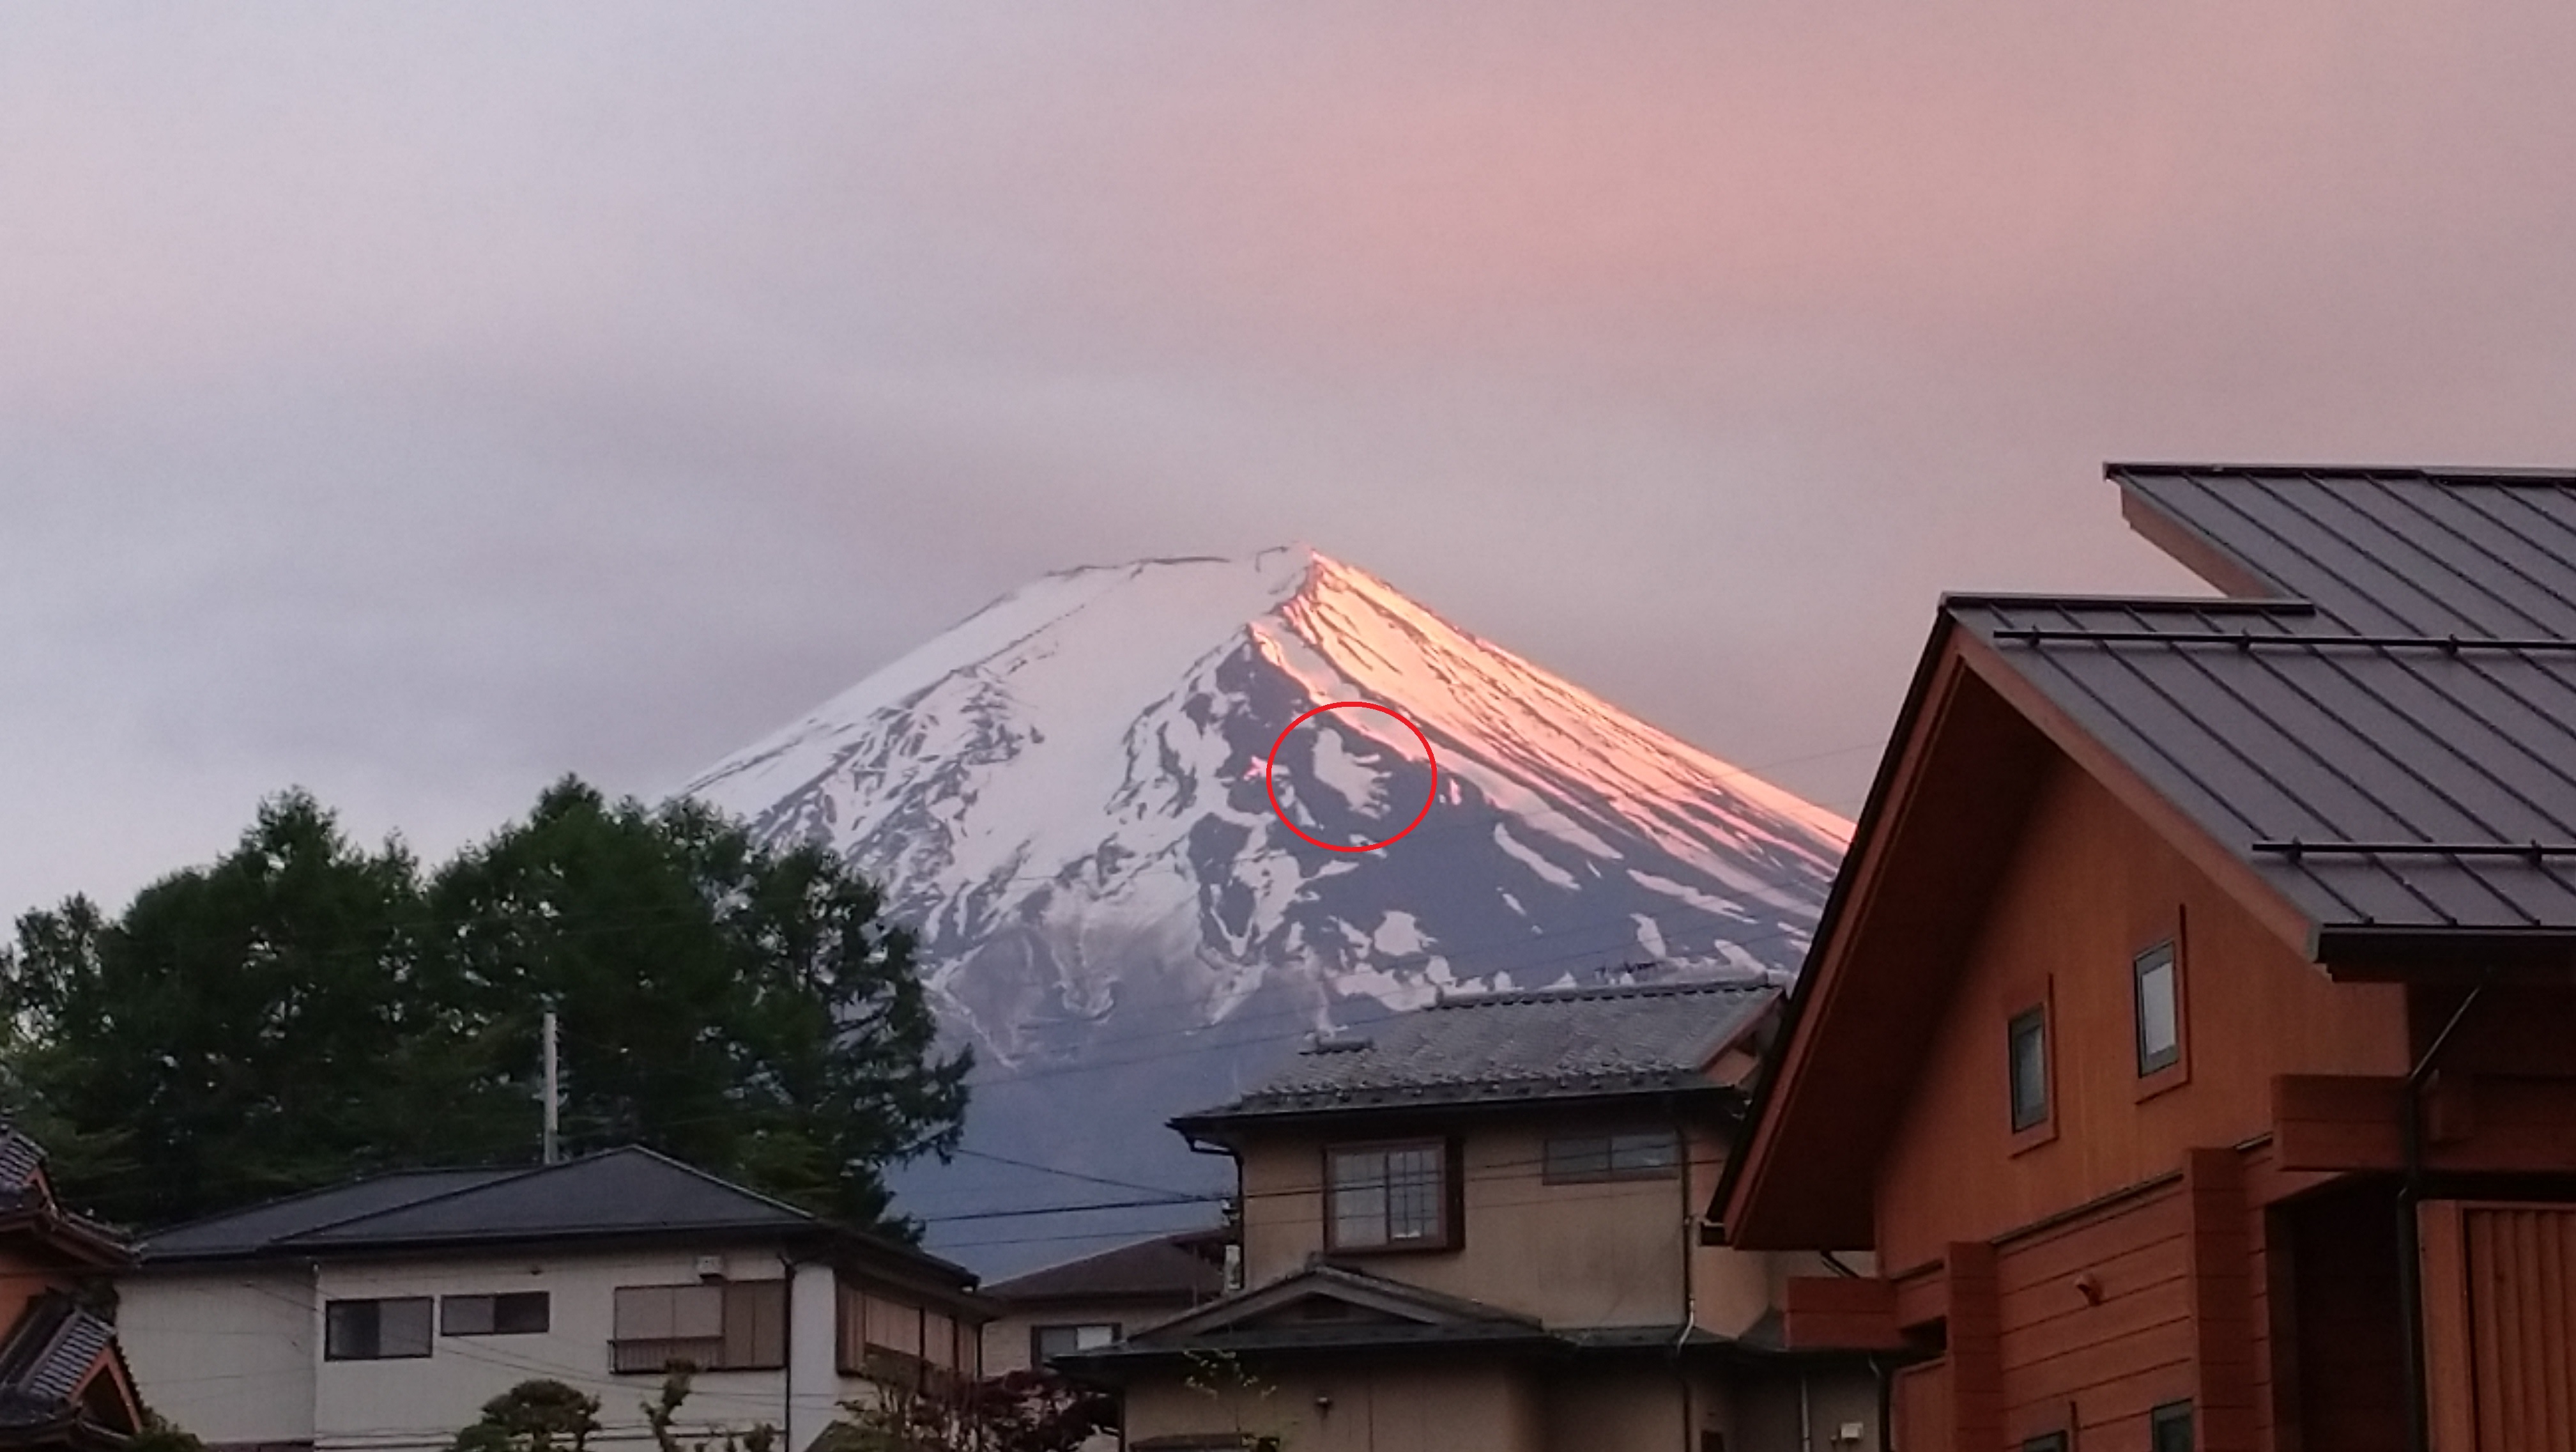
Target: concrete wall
<point>230,1357</point>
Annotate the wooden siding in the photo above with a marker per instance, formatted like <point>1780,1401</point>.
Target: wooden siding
<point>2095,1319</point>
<point>2473,1124</point>
<point>2500,1322</point>
<point>2087,887</point>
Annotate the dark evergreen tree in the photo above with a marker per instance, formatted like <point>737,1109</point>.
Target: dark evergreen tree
<point>255,1026</point>
<point>302,1010</point>
<point>743,1009</point>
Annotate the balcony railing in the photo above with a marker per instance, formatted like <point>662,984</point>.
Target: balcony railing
<point>706,1353</point>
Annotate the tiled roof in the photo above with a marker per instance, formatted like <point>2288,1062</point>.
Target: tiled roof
<point>45,1358</point>
<point>622,1192</point>
<point>2390,738</point>
<point>1185,1267</point>
<point>20,1159</point>
<point>1550,1044</point>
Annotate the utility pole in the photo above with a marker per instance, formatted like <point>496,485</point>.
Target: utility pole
<point>554,1098</point>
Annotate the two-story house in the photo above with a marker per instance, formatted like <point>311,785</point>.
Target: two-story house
<point>1091,1301</point>
<point>63,1383</point>
<point>1472,1227</point>
<point>2191,1034</point>
<point>384,1313</point>
<point>1088,1302</point>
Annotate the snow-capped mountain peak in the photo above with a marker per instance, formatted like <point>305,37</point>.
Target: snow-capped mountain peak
<point>1064,796</point>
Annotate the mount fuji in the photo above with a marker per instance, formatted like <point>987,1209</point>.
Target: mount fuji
<point>1068,797</point>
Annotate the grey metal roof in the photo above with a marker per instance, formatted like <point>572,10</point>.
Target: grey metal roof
<point>621,1192</point>
<point>2391,741</point>
<point>1551,1044</point>
<point>257,1228</point>
<point>2410,551</point>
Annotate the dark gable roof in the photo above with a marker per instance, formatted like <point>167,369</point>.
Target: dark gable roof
<point>2389,740</point>
<point>255,1229</point>
<point>2366,743</point>
<point>617,1194</point>
<point>1515,1047</point>
<point>1186,1267</point>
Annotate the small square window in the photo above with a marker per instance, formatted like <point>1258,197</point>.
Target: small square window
<point>2169,1428</point>
<point>1046,1343</point>
<point>376,1330</point>
<point>1388,1197</point>
<point>519,1313</point>
<point>2027,1037</point>
<point>2159,1010</point>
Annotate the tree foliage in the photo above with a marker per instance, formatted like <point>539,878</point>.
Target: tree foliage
<point>1020,1411</point>
<point>304,1009</point>
<point>534,1416</point>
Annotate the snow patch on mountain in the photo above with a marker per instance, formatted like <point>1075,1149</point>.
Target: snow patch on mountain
<point>1064,797</point>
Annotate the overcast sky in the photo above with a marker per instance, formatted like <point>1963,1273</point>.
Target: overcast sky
<point>417,402</point>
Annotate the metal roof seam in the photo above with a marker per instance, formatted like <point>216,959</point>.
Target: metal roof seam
<point>2404,762</point>
<point>2209,792</point>
<point>2402,500</point>
<point>2563,528</point>
<point>2340,576</point>
<point>2246,758</point>
<point>2372,799</point>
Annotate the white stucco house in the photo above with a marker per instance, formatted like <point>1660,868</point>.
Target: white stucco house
<point>379,1316</point>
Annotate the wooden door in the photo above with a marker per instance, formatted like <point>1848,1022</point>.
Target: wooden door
<point>2500,1325</point>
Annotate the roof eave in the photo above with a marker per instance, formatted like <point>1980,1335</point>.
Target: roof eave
<point>1216,1125</point>
<point>1731,1185</point>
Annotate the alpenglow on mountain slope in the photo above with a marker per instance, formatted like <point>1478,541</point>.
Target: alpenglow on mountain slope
<point>1064,798</point>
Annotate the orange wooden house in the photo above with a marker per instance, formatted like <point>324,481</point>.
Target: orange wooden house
<point>2192,1033</point>
<point>63,1383</point>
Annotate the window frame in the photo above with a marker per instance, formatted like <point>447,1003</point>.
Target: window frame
<point>1671,1169</point>
<point>2175,1069</point>
<point>750,1294</point>
<point>1445,1197</point>
<point>2046,1442</point>
<point>545,1317</point>
<point>2042,1125</point>
<point>334,1348</point>
<point>2172,1414</point>
<point>1037,1334</point>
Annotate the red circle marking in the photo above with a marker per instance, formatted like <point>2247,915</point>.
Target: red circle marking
<point>1271,787</point>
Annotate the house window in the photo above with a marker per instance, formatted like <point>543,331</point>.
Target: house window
<point>713,1326</point>
<point>2169,1428</point>
<point>2046,1442</point>
<point>519,1313</point>
<point>375,1330</point>
<point>1653,1154</point>
<point>1046,1343</point>
<point>1389,1197</point>
<point>2027,1037</point>
<point>2159,1009</point>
